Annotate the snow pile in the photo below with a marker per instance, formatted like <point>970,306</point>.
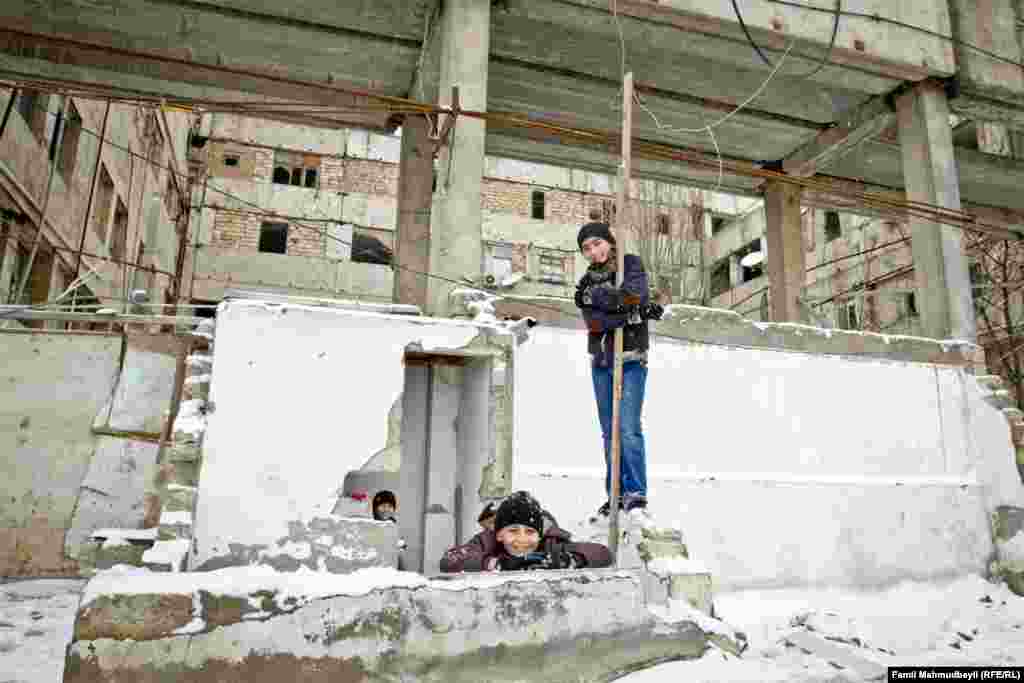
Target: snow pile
<point>171,553</point>
<point>1011,553</point>
<point>966,622</point>
<point>36,623</point>
<point>666,566</point>
<point>191,420</point>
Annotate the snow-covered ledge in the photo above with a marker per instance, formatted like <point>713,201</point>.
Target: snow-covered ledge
<point>255,624</point>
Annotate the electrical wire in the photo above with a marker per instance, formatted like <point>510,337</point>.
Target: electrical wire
<point>824,58</point>
<point>750,38</point>
<point>536,306</point>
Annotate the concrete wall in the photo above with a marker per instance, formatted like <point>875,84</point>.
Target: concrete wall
<point>52,386</point>
<point>301,398</point>
<point>81,416</point>
<point>783,468</point>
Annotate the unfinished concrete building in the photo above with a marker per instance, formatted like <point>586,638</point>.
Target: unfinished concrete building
<point>926,489</point>
<point>326,201</point>
<point>89,189</point>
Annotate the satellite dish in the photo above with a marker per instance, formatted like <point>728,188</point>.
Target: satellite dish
<point>752,259</point>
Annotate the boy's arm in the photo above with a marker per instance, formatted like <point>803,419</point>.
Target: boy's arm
<point>594,555</point>
<point>470,556</point>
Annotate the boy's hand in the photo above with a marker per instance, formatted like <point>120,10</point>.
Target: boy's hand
<point>530,561</point>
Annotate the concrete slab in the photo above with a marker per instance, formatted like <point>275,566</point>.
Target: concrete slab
<point>538,626</point>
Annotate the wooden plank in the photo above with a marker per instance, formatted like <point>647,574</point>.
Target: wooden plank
<point>621,212</point>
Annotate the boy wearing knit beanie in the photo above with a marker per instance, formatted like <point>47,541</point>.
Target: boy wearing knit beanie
<point>519,541</point>
<point>606,308</point>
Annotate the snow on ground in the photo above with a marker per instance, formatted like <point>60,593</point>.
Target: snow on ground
<point>964,622</point>
<point>967,622</point>
<point>36,620</point>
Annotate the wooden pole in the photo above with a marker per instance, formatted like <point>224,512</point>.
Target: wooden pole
<point>621,220</point>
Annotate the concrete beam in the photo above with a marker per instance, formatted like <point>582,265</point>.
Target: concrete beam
<point>712,31</point>
<point>930,168</point>
<point>786,262</point>
<point>992,26</point>
<point>456,249</point>
<point>833,143</point>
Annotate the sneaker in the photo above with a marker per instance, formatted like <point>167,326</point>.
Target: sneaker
<point>635,504</point>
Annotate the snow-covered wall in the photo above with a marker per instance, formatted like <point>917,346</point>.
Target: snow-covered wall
<point>782,467</point>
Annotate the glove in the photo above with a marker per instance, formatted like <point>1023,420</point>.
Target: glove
<point>582,297</point>
<point>652,311</point>
<point>561,558</point>
<point>531,561</point>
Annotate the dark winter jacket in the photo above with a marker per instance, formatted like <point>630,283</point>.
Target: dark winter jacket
<point>607,308</point>
<point>474,556</point>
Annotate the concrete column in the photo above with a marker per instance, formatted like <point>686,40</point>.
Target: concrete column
<point>785,251</point>
<point>416,443</point>
<point>930,175</point>
<point>412,243</point>
<point>455,222</point>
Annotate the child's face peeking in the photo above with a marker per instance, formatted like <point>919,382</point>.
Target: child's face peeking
<point>519,539</point>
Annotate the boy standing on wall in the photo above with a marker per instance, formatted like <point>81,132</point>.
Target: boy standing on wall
<point>606,308</point>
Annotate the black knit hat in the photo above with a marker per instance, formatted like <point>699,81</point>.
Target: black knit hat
<point>384,496</point>
<point>520,508</point>
<point>589,230</point>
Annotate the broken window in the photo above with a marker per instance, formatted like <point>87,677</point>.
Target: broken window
<point>537,205</point>
<point>833,228</point>
<point>754,270</point>
<point>273,237</point>
<point>231,160</point>
<point>282,176</point>
<point>58,124</point>
<point>69,146</point>
<point>499,261</point>
<point>664,224</point>
<point>717,224</point>
<point>910,303</point>
<point>848,316</point>
<point>720,281</point>
<point>552,268</point>
<point>298,170</point>
<point>104,198</point>
<point>117,239</point>
<point>372,246</point>
<point>32,106</point>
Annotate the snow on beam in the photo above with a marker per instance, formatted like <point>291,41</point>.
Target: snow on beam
<point>252,624</point>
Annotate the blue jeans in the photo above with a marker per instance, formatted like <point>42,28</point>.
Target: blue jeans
<point>633,457</point>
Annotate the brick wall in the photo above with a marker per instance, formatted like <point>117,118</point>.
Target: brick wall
<point>369,177</point>
<point>241,232</point>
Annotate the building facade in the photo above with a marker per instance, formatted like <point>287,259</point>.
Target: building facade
<point>312,211</point>
<point>89,189</point>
